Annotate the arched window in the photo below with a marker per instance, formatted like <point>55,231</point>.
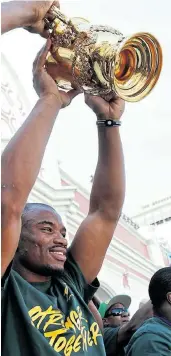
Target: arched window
<point>104,293</point>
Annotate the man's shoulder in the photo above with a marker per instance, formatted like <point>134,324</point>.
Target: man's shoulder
<point>10,274</point>
<point>152,329</point>
<point>13,280</point>
<point>152,325</point>
<point>152,337</point>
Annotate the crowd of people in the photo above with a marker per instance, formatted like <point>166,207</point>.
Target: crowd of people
<point>48,290</point>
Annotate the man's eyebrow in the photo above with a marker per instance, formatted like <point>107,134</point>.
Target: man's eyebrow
<point>45,222</point>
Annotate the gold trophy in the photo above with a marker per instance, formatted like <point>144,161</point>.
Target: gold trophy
<point>100,60</point>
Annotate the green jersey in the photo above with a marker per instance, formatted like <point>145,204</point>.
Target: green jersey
<point>50,318</point>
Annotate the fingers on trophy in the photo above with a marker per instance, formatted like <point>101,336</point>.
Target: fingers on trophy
<point>99,60</point>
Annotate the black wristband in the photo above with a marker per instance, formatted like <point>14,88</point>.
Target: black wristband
<point>108,122</point>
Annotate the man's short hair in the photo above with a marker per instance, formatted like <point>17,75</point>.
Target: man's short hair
<point>32,206</point>
<point>159,286</point>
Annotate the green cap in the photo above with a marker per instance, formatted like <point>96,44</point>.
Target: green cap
<point>103,308</point>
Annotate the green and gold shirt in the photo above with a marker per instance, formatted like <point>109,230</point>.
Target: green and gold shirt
<point>50,318</point>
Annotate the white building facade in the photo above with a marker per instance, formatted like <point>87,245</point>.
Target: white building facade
<point>131,259</point>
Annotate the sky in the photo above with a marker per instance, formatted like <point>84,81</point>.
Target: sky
<point>146,126</point>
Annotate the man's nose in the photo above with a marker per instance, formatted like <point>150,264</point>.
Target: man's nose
<point>125,314</point>
<point>60,240</point>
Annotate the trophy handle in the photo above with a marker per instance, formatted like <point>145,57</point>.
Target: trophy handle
<point>57,14</point>
<point>77,22</point>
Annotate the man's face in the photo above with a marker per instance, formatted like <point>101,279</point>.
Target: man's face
<point>42,248</point>
<point>120,319</point>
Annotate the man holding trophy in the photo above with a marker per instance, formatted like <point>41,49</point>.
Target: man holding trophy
<point>45,286</point>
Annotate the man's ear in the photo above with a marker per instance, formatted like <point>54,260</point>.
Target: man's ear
<point>105,322</point>
<point>168,296</point>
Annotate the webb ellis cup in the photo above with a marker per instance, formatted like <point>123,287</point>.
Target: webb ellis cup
<point>100,60</point>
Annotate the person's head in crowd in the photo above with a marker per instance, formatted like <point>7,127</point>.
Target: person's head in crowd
<point>160,292</point>
<point>116,312</point>
<point>143,302</point>
<point>43,247</point>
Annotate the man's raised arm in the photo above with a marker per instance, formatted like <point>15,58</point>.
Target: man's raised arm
<point>22,157</point>
<point>95,233</point>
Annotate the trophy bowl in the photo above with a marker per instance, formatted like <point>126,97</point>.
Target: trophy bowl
<point>99,60</point>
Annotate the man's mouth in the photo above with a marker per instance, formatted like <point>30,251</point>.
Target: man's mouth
<point>58,253</point>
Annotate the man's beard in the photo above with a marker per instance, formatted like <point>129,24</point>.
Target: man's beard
<point>42,270</point>
<point>48,271</point>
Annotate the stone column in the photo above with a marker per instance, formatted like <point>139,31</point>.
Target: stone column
<point>154,248</point>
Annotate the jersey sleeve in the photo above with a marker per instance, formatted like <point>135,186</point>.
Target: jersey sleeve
<point>4,279</point>
<point>75,275</point>
<point>110,336</point>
